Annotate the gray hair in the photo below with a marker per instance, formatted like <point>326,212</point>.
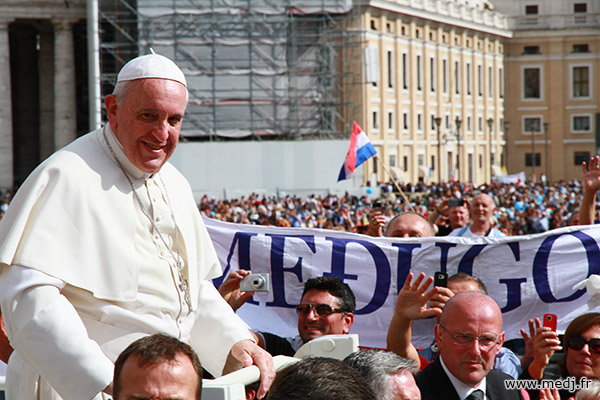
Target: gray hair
<point>376,367</point>
<point>591,392</point>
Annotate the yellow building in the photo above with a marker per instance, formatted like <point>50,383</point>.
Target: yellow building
<point>429,64</point>
<point>552,94</point>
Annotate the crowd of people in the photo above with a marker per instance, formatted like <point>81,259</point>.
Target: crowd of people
<point>106,275</point>
<point>520,208</point>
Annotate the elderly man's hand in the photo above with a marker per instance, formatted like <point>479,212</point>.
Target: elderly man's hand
<point>230,289</point>
<point>249,353</point>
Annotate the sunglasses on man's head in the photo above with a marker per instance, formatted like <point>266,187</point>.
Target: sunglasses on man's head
<point>577,342</point>
<point>322,310</point>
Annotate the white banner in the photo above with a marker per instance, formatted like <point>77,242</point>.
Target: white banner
<point>527,275</point>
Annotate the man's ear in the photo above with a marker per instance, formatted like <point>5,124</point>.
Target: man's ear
<point>348,321</point>
<point>111,109</point>
<point>501,342</point>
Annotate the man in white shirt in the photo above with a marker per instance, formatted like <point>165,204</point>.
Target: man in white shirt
<point>482,210</point>
<point>104,244</point>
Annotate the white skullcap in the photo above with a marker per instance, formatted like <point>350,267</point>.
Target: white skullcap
<point>151,66</point>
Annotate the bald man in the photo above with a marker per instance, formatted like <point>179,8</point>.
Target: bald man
<point>482,210</point>
<point>469,336</point>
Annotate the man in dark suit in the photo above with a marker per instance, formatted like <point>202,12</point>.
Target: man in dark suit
<point>469,336</point>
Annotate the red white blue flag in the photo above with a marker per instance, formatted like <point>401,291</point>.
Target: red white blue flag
<point>360,151</point>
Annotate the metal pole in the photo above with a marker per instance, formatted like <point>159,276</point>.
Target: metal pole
<point>93,56</point>
<point>546,124</point>
<point>490,123</point>
<point>532,155</point>
<point>438,122</point>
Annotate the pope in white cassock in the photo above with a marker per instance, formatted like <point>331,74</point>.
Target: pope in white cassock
<point>104,244</point>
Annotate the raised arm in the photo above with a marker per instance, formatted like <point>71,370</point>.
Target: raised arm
<point>591,185</point>
<point>411,304</point>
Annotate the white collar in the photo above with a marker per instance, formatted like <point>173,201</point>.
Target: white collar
<point>114,143</point>
<point>462,389</point>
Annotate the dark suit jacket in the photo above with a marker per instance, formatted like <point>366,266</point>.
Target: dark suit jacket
<point>435,384</point>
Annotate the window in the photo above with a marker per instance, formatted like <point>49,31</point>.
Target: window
<point>480,80</point>
<point>419,74</point>
<point>390,69</point>
<point>580,7</point>
<point>581,82</point>
<point>531,50</point>
<point>581,156</point>
<point>375,165</point>
<point>480,161</point>
<point>405,70</point>
<point>392,161</point>
<point>375,120</point>
<point>405,121</point>
<point>531,83</point>
<point>490,82</point>
<point>480,124</point>
<point>432,122</point>
<point>581,48</point>
<point>373,25</point>
<point>581,123</point>
<point>468,79</point>
<point>432,73</point>
<point>405,163</point>
<point>531,9</point>
<point>390,121</point>
<point>388,27</point>
<point>445,75</point>
<point>433,163</point>
<point>469,126</point>
<point>421,160</point>
<point>532,124</point>
<point>537,159</point>
<point>403,30</point>
<point>457,77</point>
<point>419,122</point>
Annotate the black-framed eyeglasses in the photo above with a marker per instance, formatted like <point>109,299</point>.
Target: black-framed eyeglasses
<point>576,342</point>
<point>322,310</point>
<point>462,339</point>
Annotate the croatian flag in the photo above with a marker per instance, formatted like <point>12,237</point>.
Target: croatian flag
<point>360,151</point>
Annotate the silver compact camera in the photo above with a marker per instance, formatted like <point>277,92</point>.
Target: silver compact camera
<point>256,283</point>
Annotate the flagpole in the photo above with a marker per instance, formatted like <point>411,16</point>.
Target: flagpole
<point>395,184</point>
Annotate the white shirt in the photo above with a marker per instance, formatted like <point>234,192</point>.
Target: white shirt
<point>462,389</point>
<point>90,274</point>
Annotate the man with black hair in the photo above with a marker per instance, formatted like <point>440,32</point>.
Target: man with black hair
<point>326,308</point>
<point>319,378</point>
<point>158,367</point>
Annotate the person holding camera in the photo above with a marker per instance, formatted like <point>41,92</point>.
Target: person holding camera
<point>326,307</point>
<point>449,215</point>
<point>482,210</point>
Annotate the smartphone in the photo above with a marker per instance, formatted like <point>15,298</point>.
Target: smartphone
<point>550,321</point>
<point>377,206</point>
<point>440,278</point>
<point>456,202</point>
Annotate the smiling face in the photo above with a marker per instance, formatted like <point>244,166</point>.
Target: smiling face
<point>147,121</point>
<point>477,315</point>
<point>582,362</point>
<point>482,208</point>
<point>311,325</point>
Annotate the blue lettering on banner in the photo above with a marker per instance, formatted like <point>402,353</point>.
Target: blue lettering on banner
<point>382,267</point>
<point>404,261</point>
<point>277,269</point>
<point>513,293</point>
<point>445,247</point>
<point>540,265</point>
<point>242,241</point>
<point>466,262</point>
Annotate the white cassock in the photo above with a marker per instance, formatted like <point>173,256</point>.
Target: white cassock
<point>84,272</point>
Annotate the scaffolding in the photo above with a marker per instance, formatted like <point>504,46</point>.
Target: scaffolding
<point>256,69</point>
